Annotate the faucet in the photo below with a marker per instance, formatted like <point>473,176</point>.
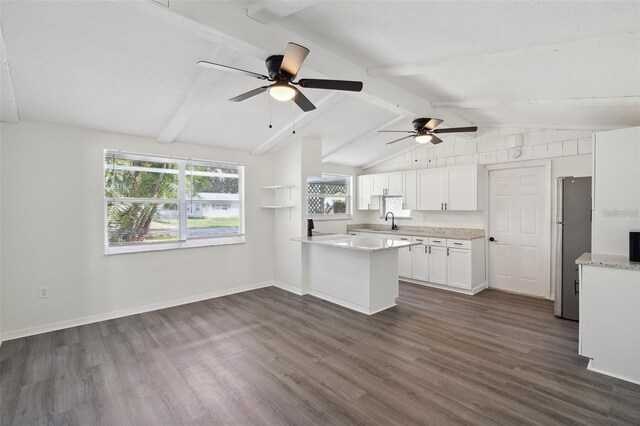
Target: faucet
<point>310,227</point>
<point>394,227</point>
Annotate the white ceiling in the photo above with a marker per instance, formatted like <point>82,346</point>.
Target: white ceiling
<point>130,67</point>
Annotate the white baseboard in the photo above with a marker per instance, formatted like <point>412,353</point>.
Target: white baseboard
<point>590,367</point>
<point>471,292</point>
<point>289,288</point>
<point>60,325</point>
<point>349,305</point>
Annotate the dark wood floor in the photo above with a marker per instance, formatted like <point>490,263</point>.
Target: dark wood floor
<point>270,357</point>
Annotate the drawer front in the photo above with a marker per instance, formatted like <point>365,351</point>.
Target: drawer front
<point>442,242</point>
<point>403,237</point>
<point>422,240</point>
<point>464,244</point>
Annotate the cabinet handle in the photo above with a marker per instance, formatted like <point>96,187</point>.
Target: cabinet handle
<point>447,251</point>
<point>436,241</point>
<point>458,244</point>
<point>441,206</point>
<point>445,206</point>
<point>409,248</point>
<point>417,239</point>
<point>404,239</point>
<point>425,249</point>
<point>429,249</point>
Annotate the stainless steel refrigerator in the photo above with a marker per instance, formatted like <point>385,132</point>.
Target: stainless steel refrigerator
<point>573,238</point>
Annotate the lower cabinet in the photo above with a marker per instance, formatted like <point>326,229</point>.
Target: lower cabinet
<point>420,260</point>
<point>459,268</point>
<point>438,265</point>
<point>405,259</point>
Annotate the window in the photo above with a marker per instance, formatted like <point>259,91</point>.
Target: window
<point>153,202</point>
<point>394,205</point>
<point>329,197</point>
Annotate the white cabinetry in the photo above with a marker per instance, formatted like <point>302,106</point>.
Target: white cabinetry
<point>431,189</point>
<point>365,201</point>
<point>459,267</point>
<point>410,190</point>
<point>420,259</point>
<point>437,264</point>
<point>452,188</point>
<point>405,256</point>
<point>387,184</point>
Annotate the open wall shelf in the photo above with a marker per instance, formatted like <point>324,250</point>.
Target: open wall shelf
<point>277,207</point>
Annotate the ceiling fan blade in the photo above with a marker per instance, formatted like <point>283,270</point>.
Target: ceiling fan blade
<point>293,58</point>
<point>303,102</point>
<point>249,94</point>
<point>456,130</point>
<point>232,69</point>
<point>432,124</point>
<point>435,140</point>
<point>350,86</point>
<point>396,131</point>
<point>398,140</point>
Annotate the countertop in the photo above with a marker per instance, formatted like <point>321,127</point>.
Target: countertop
<point>608,261</point>
<point>369,244</point>
<point>421,231</point>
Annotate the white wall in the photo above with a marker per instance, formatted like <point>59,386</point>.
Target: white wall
<point>52,232</point>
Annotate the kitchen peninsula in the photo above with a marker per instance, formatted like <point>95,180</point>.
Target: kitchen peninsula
<point>357,272</point>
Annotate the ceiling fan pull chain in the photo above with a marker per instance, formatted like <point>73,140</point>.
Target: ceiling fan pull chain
<point>293,113</point>
<point>270,126</point>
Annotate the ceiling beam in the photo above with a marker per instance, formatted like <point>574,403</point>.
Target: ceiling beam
<point>9,107</point>
<point>230,19</point>
<point>301,120</point>
<point>582,101</point>
<point>266,12</point>
<point>424,67</point>
<point>550,126</point>
<point>326,158</point>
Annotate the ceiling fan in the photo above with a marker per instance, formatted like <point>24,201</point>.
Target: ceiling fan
<point>425,130</point>
<point>282,69</point>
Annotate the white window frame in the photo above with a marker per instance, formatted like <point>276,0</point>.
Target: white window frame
<point>348,197</point>
<point>383,208</point>
<point>182,200</point>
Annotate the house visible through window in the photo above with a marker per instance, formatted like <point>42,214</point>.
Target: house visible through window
<point>329,196</point>
<point>154,202</point>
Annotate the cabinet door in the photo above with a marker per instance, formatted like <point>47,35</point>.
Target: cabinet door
<point>405,259</point>
<point>364,192</point>
<point>431,189</point>
<point>462,188</point>
<point>459,268</point>
<point>421,262</point>
<point>380,183</point>
<point>438,265</point>
<point>409,190</point>
<point>394,183</point>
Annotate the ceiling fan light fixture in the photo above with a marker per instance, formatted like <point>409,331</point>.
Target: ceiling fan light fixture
<point>423,138</point>
<point>282,92</point>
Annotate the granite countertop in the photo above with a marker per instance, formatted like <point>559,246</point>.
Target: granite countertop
<point>421,231</point>
<point>351,242</point>
<point>608,261</point>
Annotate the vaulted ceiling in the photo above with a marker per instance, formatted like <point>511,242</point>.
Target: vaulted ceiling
<point>130,67</point>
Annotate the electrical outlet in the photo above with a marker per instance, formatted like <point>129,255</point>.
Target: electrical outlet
<point>43,292</point>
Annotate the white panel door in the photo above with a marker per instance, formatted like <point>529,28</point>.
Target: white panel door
<point>438,265</point>
<point>421,262</point>
<point>431,189</point>
<point>519,224</point>
<point>462,188</point>
<point>459,268</point>
<point>394,183</point>
<point>405,260</point>
<point>409,190</point>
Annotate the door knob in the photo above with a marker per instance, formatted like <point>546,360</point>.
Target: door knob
<point>492,239</point>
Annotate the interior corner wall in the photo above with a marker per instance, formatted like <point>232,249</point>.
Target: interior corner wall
<point>293,163</point>
<point>52,225</point>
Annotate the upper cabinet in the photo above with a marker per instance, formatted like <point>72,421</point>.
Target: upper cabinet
<point>432,187</point>
<point>445,188</point>
<point>387,184</point>
<point>410,189</point>
<point>464,188</point>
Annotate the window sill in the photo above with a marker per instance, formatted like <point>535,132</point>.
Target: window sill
<point>334,217</point>
<point>204,242</point>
